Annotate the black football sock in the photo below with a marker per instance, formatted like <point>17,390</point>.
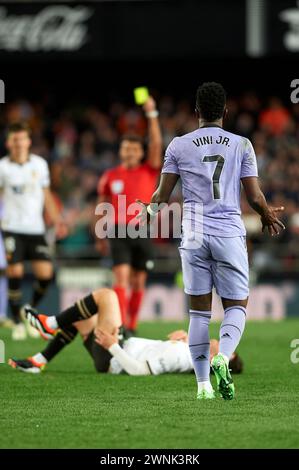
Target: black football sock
<point>64,337</point>
<point>14,297</point>
<point>81,310</point>
<point>39,289</point>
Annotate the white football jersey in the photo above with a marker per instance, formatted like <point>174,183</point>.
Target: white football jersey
<point>162,357</point>
<point>22,194</point>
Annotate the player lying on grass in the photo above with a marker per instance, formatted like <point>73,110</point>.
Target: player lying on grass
<point>97,318</point>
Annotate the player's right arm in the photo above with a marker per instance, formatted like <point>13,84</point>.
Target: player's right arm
<point>168,179</point>
<point>129,364</point>
<point>257,201</point>
<point>169,176</point>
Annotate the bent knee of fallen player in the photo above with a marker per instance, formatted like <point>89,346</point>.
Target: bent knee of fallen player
<point>108,317</point>
<point>85,327</point>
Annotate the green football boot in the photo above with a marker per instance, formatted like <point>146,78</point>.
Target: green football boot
<point>224,379</point>
<point>206,395</point>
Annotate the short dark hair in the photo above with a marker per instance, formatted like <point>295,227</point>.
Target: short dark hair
<point>132,138</point>
<point>18,127</point>
<point>210,101</point>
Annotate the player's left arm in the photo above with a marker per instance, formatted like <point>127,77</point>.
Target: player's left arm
<point>254,194</point>
<point>257,201</point>
<point>50,206</point>
<point>155,143</point>
<point>54,213</point>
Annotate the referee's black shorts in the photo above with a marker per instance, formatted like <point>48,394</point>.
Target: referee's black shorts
<point>137,252</point>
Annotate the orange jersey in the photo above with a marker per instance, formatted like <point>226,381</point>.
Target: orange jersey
<point>134,183</point>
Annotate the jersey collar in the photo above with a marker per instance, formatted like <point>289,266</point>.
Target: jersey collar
<point>20,164</point>
<point>210,125</point>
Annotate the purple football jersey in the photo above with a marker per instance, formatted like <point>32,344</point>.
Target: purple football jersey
<point>211,162</point>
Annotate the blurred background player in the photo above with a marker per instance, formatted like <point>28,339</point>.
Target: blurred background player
<point>136,179</point>
<point>24,184</point>
<point>97,318</point>
<point>212,163</point>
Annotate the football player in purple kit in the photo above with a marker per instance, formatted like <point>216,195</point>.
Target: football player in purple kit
<point>212,163</point>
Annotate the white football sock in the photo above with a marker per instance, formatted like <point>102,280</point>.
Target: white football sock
<point>52,322</point>
<point>40,358</point>
<point>206,385</point>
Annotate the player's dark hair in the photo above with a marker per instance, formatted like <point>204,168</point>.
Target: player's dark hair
<point>132,138</point>
<point>210,101</point>
<point>18,127</point>
<point>236,364</point>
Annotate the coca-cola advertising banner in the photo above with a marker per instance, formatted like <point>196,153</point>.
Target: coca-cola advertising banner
<point>111,30</point>
<point>145,29</point>
<point>45,28</point>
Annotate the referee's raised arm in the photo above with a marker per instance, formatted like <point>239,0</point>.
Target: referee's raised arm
<point>155,143</point>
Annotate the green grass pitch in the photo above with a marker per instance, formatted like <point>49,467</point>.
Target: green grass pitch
<point>70,406</point>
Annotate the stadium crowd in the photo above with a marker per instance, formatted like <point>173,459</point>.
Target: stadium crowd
<point>80,143</point>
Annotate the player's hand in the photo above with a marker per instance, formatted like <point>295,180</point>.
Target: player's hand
<point>271,222</point>
<point>106,339</point>
<point>143,216</point>
<point>178,335</point>
<point>61,230</point>
<point>149,105</point>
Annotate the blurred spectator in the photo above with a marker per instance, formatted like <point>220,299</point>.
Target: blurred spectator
<point>275,118</point>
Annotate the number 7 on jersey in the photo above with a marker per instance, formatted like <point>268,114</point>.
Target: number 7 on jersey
<point>216,175</point>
